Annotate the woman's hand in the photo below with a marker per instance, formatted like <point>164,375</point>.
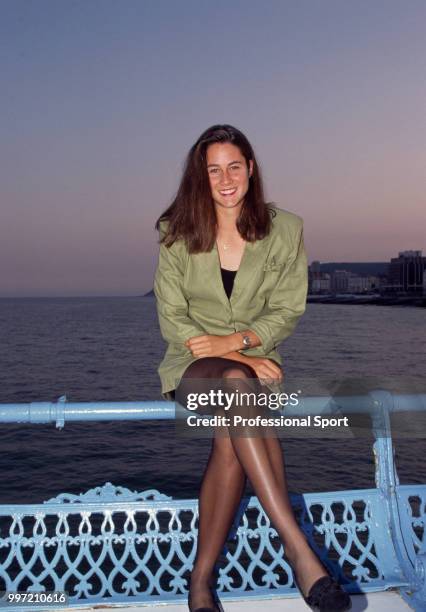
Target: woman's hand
<point>211,346</point>
<point>266,370</point>
<point>224,346</point>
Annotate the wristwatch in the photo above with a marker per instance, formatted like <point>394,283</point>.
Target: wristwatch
<point>246,341</point>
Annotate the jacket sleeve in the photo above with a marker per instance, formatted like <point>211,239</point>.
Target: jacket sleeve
<point>172,307</point>
<point>287,301</point>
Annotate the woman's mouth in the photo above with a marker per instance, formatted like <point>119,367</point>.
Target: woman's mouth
<point>228,192</point>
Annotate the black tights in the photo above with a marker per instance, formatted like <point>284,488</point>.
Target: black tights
<point>232,459</point>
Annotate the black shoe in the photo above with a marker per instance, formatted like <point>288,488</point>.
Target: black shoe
<point>326,595</point>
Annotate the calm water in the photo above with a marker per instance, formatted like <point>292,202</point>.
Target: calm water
<point>94,349</point>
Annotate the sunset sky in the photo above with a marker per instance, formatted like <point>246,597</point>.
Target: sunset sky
<point>101,100</point>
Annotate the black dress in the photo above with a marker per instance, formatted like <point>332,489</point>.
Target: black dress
<point>228,277</point>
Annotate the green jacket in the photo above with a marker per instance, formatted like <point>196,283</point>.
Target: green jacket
<point>268,297</point>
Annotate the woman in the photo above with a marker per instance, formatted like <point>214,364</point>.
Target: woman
<point>231,284</point>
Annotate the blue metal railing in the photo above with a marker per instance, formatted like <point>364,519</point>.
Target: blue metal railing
<point>110,545</point>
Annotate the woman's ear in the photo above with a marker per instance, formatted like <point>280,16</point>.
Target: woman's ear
<point>250,167</point>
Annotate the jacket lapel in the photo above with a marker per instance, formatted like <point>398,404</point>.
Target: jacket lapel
<point>211,265</point>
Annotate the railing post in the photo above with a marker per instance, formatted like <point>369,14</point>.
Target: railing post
<point>387,482</point>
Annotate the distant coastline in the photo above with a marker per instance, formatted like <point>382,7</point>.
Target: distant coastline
<point>380,300</point>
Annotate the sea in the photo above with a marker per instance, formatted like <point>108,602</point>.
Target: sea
<point>109,349</point>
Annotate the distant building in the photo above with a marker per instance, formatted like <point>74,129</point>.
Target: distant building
<point>363,284</point>
<point>406,273</point>
<point>340,281</point>
<point>319,282</point>
<point>315,269</point>
<point>321,285</point>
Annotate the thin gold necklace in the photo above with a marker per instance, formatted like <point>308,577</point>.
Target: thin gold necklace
<point>224,245</point>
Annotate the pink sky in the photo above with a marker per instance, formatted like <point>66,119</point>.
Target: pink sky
<point>99,108</point>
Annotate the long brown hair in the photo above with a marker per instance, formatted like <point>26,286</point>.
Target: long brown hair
<point>192,216</point>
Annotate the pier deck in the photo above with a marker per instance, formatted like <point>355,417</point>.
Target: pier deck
<point>375,602</point>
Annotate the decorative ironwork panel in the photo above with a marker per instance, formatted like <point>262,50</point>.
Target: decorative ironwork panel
<point>110,544</point>
<point>413,512</point>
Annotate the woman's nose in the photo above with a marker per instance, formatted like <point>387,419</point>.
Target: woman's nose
<point>225,178</point>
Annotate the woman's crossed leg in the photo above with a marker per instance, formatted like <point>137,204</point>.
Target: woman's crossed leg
<point>238,453</point>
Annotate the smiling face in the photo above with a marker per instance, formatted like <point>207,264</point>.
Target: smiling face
<point>228,174</point>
